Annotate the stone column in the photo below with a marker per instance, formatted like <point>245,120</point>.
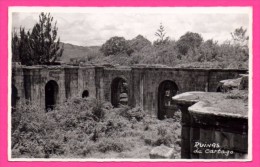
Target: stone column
<point>186,131</point>
<point>99,76</point>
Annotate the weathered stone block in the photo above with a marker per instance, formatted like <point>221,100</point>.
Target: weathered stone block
<point>162,152</point>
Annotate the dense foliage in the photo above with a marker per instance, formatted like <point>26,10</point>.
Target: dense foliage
<point>114,46</point>
<point>39,46</point>
<point>189,42</point>
<point>90,129</point>
<point>190,51</point>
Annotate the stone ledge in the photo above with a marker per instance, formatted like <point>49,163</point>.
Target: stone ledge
<point>210,103</point>
<point>232,83</point>
<point>187,98</point>
<point>148,67</point>
<point>203,107</point>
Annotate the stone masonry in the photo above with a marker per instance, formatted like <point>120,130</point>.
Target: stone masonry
<point>143,82</point>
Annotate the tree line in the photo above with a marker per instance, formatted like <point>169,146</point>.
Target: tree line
<point>190,50</point>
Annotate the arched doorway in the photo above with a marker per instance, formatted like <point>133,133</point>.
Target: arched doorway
<point>220,89</point>
<point>85,94</point>
<point>119,92</point>
<point>14,96</point>
<point>167,89</point>
<point>51,94</point>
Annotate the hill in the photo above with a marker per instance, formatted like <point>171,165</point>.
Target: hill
<point>77,52</point>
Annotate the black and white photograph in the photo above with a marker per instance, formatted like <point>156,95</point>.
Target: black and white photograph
<point>130,84</point>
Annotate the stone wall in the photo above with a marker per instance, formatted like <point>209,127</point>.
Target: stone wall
<point>18,82</point>
<point>35,79</point>
<point>146,82</point>
<point>110,74</point>
<point>230,134</point>
<point>209,132</point>
<point>215,76</point>
<point>143,82</point>
<point>86,81</point>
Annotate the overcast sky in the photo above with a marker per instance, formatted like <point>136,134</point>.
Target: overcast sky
<point>93,27</point>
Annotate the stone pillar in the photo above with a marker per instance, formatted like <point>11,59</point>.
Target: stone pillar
<point>71,81</point>
<point>185,130</point>
<point>137,87</point>
<point>32,84</point>
<point>194,137</point>
<point>18,81</point>
<point>99,77</point>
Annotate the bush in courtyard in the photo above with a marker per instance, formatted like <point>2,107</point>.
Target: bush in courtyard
<point>113,144</point>
<point>33,129</point>
<point>134,113</point>
<point>85,127</point>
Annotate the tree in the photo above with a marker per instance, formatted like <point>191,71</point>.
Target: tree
<point>25,52</point>
<point>114,46</point>
<point>136,44</point>
<point>40,46</point>
<point>189,41</point>
<point>160,33</point>
<point>15,45</point>
<point>240,42</point>
<point>208,50</point>
<point>240,37</point>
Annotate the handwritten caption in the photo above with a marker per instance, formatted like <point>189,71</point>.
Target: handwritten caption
<point>210,148</point>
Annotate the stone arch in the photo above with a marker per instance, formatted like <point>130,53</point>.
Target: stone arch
<point>14,96</point>
<point>166,90</point>
<point>51,94</point>
<point>119,92</point>
<point>85,94</point>
<point>221,88</point>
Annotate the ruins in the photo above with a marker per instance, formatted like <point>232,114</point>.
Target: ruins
<point>149,87</point>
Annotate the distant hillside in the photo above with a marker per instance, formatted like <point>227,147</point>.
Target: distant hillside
<point>75,51</point>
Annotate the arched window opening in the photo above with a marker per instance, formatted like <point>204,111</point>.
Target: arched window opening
<point>119,92</point>
<point>51,95</point>
<point>85,94</point>
<point>219,89</point>
<point>166,108</point>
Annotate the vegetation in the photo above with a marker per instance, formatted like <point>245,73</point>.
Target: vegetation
<point>87,128</point>
<point>189,42</point>
<point>239,37</point>
<point>190,51</point>
<point>160,33</point>
<point>39,46</point>
<point>114,46</point>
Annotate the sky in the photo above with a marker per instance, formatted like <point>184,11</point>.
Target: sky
<point>94,26</point>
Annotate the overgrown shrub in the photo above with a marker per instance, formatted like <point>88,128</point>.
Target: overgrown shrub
<point>111,144</point>
<point>135,113</point>
<point>83,127</point>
